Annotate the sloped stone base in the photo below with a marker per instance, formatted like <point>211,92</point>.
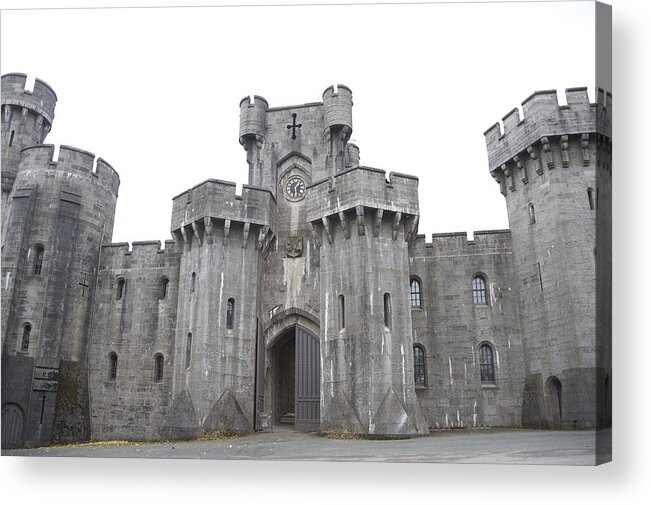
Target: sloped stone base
<point>227,415</point>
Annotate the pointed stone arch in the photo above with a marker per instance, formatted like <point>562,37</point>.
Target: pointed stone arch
<point>294,161</point>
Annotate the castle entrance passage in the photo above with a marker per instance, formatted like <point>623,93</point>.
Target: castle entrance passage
<point>296,380</point>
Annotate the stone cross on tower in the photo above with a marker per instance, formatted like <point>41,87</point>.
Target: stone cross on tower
<point>293,126</point>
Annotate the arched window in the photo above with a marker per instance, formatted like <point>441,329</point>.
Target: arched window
<point>113,366</point>
<point>414,293</point>
<point>420,373</point>
<point>119,293</point>
<point>11,138</point>
<point>38,259</point>
<point>387,310</point>
<point>193,282</point>
<point>486,366</point>
<point>164,283</point>
<point>27,330</point>
<point>479,290</point>
<point>188,350</point>
<point>532,214</point>
<point>342,312</point>
<point>230,313</point>
<point>158,368</point>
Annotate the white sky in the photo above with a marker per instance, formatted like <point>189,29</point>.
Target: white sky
<point>155,92</point>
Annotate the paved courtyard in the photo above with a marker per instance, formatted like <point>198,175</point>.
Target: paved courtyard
<point>467,446</point>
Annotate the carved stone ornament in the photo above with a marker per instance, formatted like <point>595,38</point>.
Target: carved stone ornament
<point>294,246</point>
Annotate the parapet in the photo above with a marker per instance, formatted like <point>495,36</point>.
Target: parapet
<point>365,187</point>
<point>217,199</point>
<point>41,100</point>
<point>253,117</point>
<point>458,244</point>
<point>146,255</point>
<point>544,117</point>
<point>338,107</point>
<point>71,160</point>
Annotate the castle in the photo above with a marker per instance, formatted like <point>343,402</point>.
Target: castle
<point>309,300</point>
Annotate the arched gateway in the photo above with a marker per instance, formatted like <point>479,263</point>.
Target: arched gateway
<point>292,378</point>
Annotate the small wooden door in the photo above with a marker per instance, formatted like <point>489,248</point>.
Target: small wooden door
<point>307,382</point>
<point>12,426</point>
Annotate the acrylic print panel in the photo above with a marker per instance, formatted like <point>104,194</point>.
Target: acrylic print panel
<point>273,317</point>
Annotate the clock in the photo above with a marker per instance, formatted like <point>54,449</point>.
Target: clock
<point>295,188</point>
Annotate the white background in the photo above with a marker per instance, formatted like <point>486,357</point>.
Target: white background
<point>155,93</point>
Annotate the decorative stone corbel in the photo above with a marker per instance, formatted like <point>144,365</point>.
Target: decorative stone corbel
<point>326,228</point>
<point>361,223</point>
<point>195,230</point>
<point>344,224</point>
<point>547,153</point>
<point>509,177</point>
<point>378,222</point>
<point>521,168</point>
<point>585,148</point>
<point>315,235</point>
<point>395,225</point>
<point>565,151</point>
<point>208,229</point>
<point>245,234</point>
<point>535,159</point>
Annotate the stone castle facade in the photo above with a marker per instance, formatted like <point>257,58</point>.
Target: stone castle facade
<point>310,299</point>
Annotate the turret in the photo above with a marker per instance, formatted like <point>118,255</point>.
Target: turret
<point>253,127</point>
<point>26,120</point>
<point>338,124</point>
<point>546,163</point>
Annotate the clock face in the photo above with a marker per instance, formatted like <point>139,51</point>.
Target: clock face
<point>295,187</point>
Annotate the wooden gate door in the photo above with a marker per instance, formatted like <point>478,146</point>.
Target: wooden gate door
<point>307,382</point>
<point>12,426</point>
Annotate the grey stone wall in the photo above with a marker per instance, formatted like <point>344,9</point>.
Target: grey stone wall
<point>136,326</point>
<point>451,327</point>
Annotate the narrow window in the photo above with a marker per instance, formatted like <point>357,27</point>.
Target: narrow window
<point>193,282</point>
<point>164,282</point>
<point>479,290</point>
<point>540,277</point>
<point>113,366</point>
<point>119,293</point>
<point>230,313</point>
<point>591,199</point>
<point>420,376</point>
<point>387,310</point>
<point>342,312</point>
<point>486,368</point>
<point>11,138</point>
<point>38,259</point>
<point>532,214</point>
<point>158,368</point>
<point>188,350</point>
<point>27,330</point>
<point>414,293</point>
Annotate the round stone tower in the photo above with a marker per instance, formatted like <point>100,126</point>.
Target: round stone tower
<point>26,120</point>
<point>547,165</point>
<point>59,213</point>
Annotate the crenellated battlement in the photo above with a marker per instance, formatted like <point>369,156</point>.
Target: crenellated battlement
<point>41,100</point>
<point>363,187</point>
<point>458,244</point>
<point>218,199</point>
<point>148,252</point>
<point>71,160</point>
<point>543,117</point>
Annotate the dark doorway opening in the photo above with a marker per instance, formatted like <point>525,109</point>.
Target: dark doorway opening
<point>296,380</point>
<point>555,402</point>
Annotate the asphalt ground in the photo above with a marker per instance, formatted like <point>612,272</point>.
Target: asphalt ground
<point>497,446</point>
